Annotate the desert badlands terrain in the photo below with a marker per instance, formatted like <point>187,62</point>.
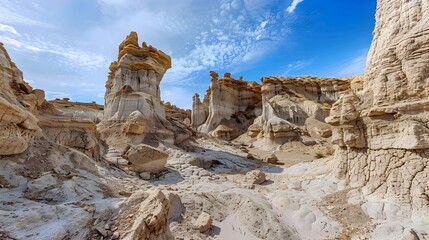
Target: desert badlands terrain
<point>290,158</point>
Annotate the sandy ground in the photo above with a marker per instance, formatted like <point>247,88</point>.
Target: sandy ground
<point>299,200</point>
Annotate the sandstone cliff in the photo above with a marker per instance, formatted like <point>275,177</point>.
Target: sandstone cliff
<point>381,127</point>
<point>18,125</point>
<point>294,107</point>
<point>228,107</point>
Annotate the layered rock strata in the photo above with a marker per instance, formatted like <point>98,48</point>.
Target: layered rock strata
<point>133,82</point>
<point>293,107</point>
<point>228,107</point>
<point>382,128</point>
<point>72,124</point>
<point>133,108</point>
<point>172,111</point>
<point>18,125</point>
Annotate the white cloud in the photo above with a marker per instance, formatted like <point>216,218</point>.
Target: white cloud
<point>179,96</point>
<point>11,13</point>
<point>68,55</point>
<point>297,65</point>
<point>7,29</point>
<point>230,41</point>
<point>10,42</point>
<point>233,34</point>
<point>53,95</point>
<point>355,67</point>
<point>293,5</point>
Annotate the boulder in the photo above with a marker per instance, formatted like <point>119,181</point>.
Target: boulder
<point>145,175</point>
<point>201,162</point>
<point>145,216</point>
<point>144,158</point>
<point>203,222</point>
<point>255,177</point>
<point>271,158</point>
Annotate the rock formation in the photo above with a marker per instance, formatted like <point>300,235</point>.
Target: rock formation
<point>134,112</point>
<point>172,111</point>
<point>381,125</point>
<point>293,107</point>
<point>133,109</point>
<point>18,125</point>
<point>133,82</point>
<point>25,113</point>
<point>200,111</point>
<point>228,108</point>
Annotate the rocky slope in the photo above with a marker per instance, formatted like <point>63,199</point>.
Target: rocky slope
<point>381,127</point>
<point>55,182</point>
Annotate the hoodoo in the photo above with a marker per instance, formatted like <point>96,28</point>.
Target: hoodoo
<point>133,101</point>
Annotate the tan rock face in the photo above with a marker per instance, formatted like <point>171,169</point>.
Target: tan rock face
<point>204,222</point>
<point>72,124</point>
<point>200,111</point>
<point>76,132</point>
<point>381,125</point>
<point>133,110</point>
<point>144,216</point>
<point>228,108</point>
<point>18,125</point>
<point>255,177</point>
<point>133,83</point>
<point>292,107</point>
<point>172,111</point>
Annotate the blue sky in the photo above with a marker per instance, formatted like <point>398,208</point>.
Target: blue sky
<point>65,47</point>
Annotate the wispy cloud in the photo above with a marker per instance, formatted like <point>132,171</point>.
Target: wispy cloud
<point>355,66</point>
<point>297,65</point>
<point>7,29</point>
<point>10,13</point>
<point>68,55</point>
<point>233,36</point>
<point>241,32</point>
<point>54,95</point>
<point>293,5</point>
<point>177,95</point>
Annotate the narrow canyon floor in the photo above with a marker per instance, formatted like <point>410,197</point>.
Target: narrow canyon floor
<point>53,192</point>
